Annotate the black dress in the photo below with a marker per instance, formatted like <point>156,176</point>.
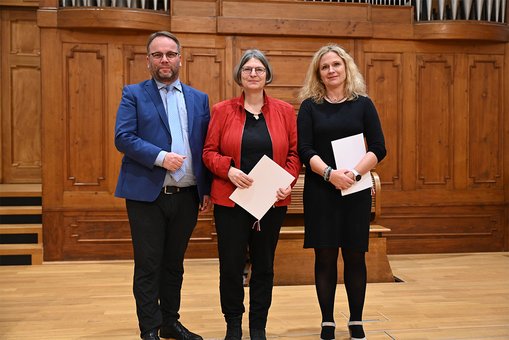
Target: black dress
<point>330,219</point>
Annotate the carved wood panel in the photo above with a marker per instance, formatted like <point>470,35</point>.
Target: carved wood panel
<point>434,114</point>
<point>384,79</point>
<point>205,69</point>
<point>85,116</point>
<point>485,121</point>
<point>21,98</point>
<point>135,61</point>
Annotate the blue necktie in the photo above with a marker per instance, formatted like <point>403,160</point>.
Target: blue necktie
<point>177,140</point>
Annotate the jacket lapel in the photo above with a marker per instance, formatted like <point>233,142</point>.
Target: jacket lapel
<point>153,92</point>
<point>189,100</point>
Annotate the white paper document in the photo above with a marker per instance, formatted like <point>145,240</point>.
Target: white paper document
<point>267,177</point>
<point>348,152</point>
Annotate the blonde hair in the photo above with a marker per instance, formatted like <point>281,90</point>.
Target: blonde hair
<point>315,89</point>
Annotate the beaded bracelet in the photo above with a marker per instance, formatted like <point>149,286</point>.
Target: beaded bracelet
<point>326,173</point>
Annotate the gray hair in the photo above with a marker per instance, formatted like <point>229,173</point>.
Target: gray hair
<point>248,55</point>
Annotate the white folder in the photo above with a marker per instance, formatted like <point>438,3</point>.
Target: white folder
<point>348,152</point>
<point>267,177</point>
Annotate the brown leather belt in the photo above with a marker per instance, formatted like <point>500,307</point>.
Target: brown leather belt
<point>170,190</point>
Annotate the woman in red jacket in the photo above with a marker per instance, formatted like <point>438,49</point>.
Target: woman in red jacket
<point>241,131</point>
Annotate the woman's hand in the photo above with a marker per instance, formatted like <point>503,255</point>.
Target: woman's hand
<point>239,178</point>
<point>282,193</point>
<point>341,179</point>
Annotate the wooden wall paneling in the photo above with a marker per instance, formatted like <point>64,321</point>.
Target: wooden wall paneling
<point>135,65</point>
<point>506,146</point>
<point>89,236</point>
<point>460,123</point>
<point>21,3</point>
<point>52,116</point>
<point>205,61</point>
<point>439,229</point>
<point>119,18</point>
<point>3,61</point>
<point>198,16</point>
<point>21,116</point>
<point>85,116</point>
<point>409,132</point>
<point>287,82</point>
<point>53,150</point>
<point>294,18</point>
<point>205,70</point>
<point>53,235</point>
<point>434,115</point>
<point>384,74</point>
<point>485,121</point>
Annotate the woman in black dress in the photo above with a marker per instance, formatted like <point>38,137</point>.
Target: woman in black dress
<point>336,106</point>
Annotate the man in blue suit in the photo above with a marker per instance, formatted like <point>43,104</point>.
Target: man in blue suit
<point>160,128</point>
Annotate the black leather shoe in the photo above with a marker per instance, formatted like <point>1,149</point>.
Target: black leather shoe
<point>179,332</point>
<point>151,335</point>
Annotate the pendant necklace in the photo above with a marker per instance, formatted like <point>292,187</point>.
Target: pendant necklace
<point>335,101</point>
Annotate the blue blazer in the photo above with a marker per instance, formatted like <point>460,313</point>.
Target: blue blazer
<point>142,131</point>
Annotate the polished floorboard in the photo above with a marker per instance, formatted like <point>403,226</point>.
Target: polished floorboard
<point>442,296</point>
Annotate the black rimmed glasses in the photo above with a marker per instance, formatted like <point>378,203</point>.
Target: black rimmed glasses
<point>248,70</point>
<point>169,55</point>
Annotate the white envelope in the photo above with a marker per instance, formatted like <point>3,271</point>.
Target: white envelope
<point>267,177</point>
<point>348,152</point>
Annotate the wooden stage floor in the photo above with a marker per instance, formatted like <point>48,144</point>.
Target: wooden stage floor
<point>443,296</point>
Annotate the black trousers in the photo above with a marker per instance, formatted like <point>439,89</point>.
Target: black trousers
<point>236,238</point>
<point>160,232</point>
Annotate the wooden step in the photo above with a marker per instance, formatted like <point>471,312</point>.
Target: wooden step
<point>35,250</point>
<point>21,210</point>
<point>20,190</point>
<point>22,229</point>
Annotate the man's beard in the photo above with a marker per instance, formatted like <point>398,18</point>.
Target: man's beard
<point>166,76</point>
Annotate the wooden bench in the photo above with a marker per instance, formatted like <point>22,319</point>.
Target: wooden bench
<point>294,265</point>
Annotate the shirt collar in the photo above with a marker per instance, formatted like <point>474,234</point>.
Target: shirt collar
<point>177,84</point>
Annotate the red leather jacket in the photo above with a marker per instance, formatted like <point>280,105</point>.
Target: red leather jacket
<point>223,143</point>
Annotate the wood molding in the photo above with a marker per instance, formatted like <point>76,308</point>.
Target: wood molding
<point>462,30</point>
<point>97,17</point>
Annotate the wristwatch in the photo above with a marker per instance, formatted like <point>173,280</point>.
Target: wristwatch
<point>356,175</point>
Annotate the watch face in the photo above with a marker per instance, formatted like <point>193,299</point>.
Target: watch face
<point>358,178</point>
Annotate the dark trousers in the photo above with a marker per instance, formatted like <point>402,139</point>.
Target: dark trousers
<point>160,232</point>
<point>236,238</point>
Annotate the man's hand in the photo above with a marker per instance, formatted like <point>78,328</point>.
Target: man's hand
<point>205,205</point>
<point>173,161</point>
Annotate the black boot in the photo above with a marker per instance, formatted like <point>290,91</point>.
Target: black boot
<point>257,334</point>
<point>233,328</point>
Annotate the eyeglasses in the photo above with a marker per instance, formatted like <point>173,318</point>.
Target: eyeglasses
<point>248,70</point>
<point>169,55</point>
